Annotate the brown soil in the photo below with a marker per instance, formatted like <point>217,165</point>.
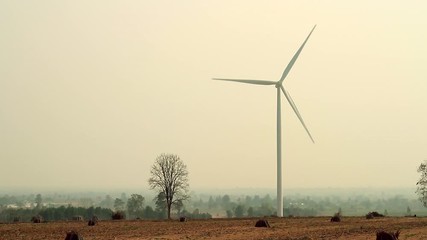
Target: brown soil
<point>281,228</point>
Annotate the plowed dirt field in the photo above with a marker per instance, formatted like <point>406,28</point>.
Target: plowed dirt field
<point>281,228</point>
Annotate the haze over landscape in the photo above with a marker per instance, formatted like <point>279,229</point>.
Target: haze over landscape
<point>92,92</point>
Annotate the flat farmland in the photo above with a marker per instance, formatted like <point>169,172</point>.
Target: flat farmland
<point>281,228</point>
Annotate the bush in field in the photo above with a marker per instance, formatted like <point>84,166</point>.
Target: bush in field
<point>37,219</point>
<point>118,215</point>
<point>337,216</point>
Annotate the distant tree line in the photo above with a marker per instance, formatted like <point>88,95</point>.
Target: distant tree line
<point>248,206</point>
<point>54,214</point>
<point>132,208</point>
<point>203,206</point>
<point>256,206</point>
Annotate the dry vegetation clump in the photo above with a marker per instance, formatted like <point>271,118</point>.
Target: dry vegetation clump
<point>376,214</point>
<point>119,215</point>
<point>73,235</point>
<point>336,217</point>
<point>93,221</point>
<point>37,219</point>
<point>372,215</point>
<point>262,223</point>
<point>381,235</point>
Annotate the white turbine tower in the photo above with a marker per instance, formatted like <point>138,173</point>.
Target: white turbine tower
<point>279,86</point>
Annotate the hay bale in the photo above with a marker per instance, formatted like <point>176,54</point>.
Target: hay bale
<point>119,215</point>
<point>262,223</point>
<point>37,219</point>
<point>382,235</point>
<point>182,219</point>
<point>73,235</point>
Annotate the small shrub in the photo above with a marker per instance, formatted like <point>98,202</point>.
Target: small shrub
<point>37,219</point>
<point>336,217</point>
<point>119,215</point>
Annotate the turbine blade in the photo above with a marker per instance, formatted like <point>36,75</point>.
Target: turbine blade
<point>257,82</point>
<point>294,107</point>
<point>291,63</point>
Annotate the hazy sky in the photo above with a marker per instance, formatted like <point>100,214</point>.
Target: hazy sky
<point>92,91</point>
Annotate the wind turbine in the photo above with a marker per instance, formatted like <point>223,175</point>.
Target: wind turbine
<point>279,86</point>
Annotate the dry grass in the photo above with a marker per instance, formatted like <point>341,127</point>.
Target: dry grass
<point>281,228</point>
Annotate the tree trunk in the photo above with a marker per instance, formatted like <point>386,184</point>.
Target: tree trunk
<point>169,211</point>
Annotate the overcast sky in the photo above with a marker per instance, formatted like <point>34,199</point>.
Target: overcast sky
<point>91,92</point>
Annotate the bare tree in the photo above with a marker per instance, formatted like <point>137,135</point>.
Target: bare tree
<point>169,176</point>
